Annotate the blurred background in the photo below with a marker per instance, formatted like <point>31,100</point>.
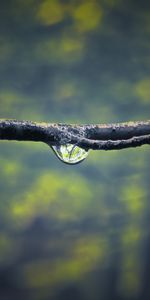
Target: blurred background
<point>74,232</point>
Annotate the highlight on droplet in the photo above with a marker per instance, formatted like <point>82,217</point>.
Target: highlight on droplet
<point>70,154</point>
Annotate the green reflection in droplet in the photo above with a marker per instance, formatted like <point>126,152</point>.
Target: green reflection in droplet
<point>70,154</point>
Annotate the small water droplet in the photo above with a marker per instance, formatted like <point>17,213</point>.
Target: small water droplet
<point>70,154</point>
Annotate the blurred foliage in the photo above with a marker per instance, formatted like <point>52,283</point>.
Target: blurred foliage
<point>77,232</point>
<point>50,12</point>
<point>87,16</point>
<point>142,90</point>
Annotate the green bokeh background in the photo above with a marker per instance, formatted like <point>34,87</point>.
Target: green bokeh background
<point>74,232</point>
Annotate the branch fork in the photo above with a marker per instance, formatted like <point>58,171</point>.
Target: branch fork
<point>97,137</point>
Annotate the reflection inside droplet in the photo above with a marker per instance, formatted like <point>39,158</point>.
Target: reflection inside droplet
<point>70,154</point>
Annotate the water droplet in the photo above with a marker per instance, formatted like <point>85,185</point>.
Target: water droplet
<point>70,154</point>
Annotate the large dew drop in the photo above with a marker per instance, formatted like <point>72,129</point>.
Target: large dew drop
<point>70,154</point>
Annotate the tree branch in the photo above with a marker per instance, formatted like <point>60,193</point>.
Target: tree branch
<point>96,137</point>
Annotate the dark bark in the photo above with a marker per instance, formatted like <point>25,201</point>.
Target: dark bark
<point>97,137</point>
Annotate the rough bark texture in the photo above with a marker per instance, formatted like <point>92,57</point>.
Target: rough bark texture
<point>96,137</point>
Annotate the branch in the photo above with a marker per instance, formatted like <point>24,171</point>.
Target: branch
<point>96,137</point>
<point>115,145</point>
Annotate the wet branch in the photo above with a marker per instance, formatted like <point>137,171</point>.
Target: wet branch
<point>97,137</point>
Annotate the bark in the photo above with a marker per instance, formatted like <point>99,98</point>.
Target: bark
<point>96,137</point>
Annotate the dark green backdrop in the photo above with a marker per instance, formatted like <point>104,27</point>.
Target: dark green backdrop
<point>74,232</point>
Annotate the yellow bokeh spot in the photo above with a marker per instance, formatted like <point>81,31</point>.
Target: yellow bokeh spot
<point>8,100</point>
<point>21,209</point>
<point>10,170</point>
<point>70,45</point>
<point>133,197</point>
<point>44,198</point>
<point>65,49</point>
<point>89,250</point>
<point>50,12</point>
<point>83,257</point>
<point>142,90</point>
<point>87,16</point>
<point>69,48</point>
<point>131,236</point>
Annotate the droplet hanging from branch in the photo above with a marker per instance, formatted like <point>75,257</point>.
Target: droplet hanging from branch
<point>70,154</point>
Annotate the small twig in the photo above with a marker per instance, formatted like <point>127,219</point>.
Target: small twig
<point>115,145</point>
<point>96,137</point>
